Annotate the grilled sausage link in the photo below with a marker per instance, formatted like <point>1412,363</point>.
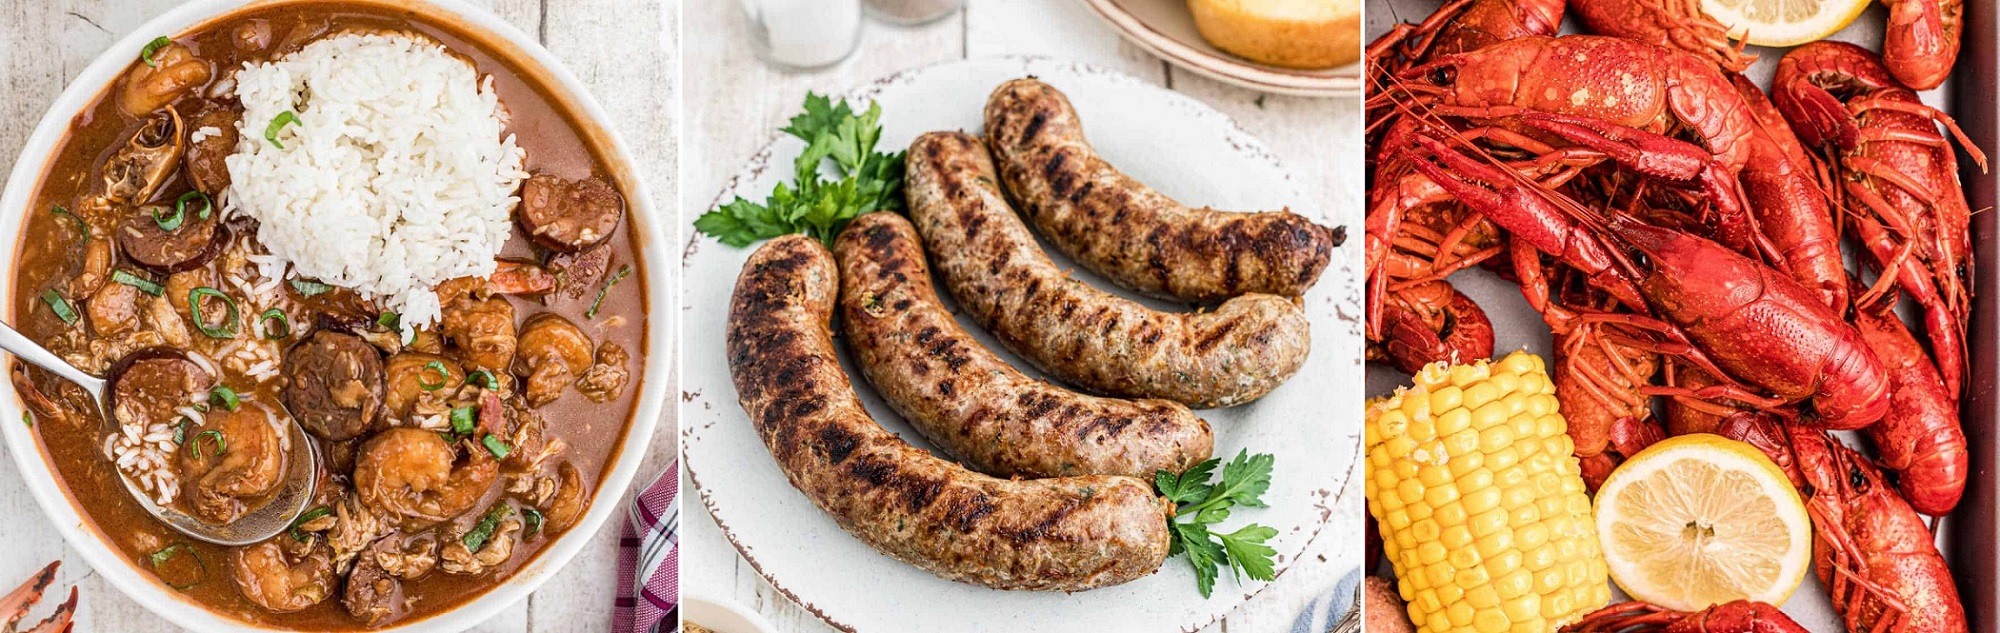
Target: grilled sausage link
<point>974,405</point>
<point>1126,231</point>
<point>1099,341</point>
<point>1068,534</point>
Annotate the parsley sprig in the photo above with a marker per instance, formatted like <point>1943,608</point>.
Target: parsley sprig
<point>812,204</point>
<point>1199,504</point>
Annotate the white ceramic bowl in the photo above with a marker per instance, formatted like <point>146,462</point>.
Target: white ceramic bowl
<point>506,42</point>
<point>723,617</point>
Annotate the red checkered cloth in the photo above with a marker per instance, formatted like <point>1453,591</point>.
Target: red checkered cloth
<point>649,558</point>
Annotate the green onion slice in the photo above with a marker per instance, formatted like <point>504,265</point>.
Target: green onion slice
<point>225,397</point>
<point>305,518</point>
<point>81,226</point>
<point>599,302</point>
<point>390,320</point>
<point>534,521</point>
<point>462,420</point>
<point>180,204</point>
<point>160,558</point>
<point>181,431</point>
<point>484,379</point>
<point>444,375</point>
<point>221,444</point>
<point>28,418</point>
<point>277,125</point>
<point>146,54</point>
<point>483,532</point>
<point>279,331</point>
<point>226,329</point>
<point>61,307</point>
<point>308,287</point>
<point>144,285</point>
<point>498,448</point>
<point>170,222</point>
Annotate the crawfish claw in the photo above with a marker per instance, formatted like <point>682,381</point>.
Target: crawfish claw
<point>1819,118</point>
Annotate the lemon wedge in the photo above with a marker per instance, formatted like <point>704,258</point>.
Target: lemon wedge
<point>1699,520</point>
<point>1784,22</point>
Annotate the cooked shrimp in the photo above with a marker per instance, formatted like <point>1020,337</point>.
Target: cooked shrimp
<point>284,581</point>
<point>98,254</point>
<point>552,354</point>
<point>417,476</point>
<point>569,501</point>
<point>415,377</point>
<point>175,71</point>
<point>232,470</point>
<point>481,328</point>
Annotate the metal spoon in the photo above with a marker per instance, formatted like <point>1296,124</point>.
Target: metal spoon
<point>277,513</point>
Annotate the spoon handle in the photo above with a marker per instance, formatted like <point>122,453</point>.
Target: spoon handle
<point>13,341</point>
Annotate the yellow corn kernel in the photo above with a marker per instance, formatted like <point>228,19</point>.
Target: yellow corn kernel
<point>1480,501</point>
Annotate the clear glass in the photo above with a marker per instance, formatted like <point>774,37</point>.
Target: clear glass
<point>803,34</point>
<point>913,12</point>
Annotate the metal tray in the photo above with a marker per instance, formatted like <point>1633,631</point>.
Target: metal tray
<point>1970,537</point>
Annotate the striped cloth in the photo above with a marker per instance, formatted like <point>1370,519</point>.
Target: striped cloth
<point>649,558</point>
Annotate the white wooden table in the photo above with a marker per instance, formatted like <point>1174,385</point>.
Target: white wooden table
<point>622,49</point>
<point>734,102</point>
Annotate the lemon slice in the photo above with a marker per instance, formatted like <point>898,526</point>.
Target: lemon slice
<point>1783,22</point>
<point>1700,520</point>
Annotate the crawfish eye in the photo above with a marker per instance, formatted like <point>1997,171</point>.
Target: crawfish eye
<point>1640,260</point>
<point>1441,76</point>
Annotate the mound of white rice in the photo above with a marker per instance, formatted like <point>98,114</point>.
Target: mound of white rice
<point>397,176</point>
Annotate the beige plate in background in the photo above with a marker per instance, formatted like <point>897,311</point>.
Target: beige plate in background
<point>1166,28</point>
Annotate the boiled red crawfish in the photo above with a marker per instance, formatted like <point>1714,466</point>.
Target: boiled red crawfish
<point>1741,616</point>
<point>1761,203</point>
<point>1430,322</point>
<point>1893,172</point>
<point>1726,313</point>
<point>1920,437</point>
<point>1678,24</point>
<point>1920,42</point>
<point>1873,552</point>
<point>1415,237</point>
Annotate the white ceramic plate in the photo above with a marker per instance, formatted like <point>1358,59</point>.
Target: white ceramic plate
<point>723,617</point>
<point>1190,152</point>
<point>1165,28</point>
<point>506,42</point>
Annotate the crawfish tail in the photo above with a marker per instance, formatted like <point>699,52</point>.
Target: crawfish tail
<point>1920,438</point>
<point>1921,40</point>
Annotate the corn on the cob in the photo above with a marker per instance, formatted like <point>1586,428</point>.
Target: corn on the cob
<point>1480,501</point>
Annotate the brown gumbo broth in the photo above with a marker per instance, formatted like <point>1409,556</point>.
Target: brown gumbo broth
<point>446,464</point>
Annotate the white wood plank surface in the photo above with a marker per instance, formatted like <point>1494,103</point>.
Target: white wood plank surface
<point>734,102</point>
<point>625,51</point>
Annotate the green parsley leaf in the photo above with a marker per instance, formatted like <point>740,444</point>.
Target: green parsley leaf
<point>1199,504</point>
<point>818,202</point>
<point>1248,554</point>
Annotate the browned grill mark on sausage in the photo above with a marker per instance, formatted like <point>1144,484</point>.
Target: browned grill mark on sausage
<point>1059,534</point>
<point>1126,231</point>
<point>971,403</point>
<point>1086,337</point>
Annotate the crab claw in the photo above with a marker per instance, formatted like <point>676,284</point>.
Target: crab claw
<point>15,604</point>
<point>58,622</point>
